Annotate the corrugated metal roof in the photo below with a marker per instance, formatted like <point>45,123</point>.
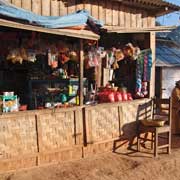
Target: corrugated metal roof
<point>167,53</point>
<point>175,35</point>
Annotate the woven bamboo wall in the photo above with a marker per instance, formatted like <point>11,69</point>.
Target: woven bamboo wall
<point>111,121</point>
<point>111,13</point>
<point>36,137</point>
<point>18,141</point>
<point>17,136</point>
<point>60,129</point>
<point>128,120</point>
<point>102,123</point>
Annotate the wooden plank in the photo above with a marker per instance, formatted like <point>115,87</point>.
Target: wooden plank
<point>89,127</point>
<point>99,73</point>
<point>54,8</point>
<point>17,3</point>
<point>115,13</point>
<point>139,20</point>
<point>39,134</point>
<point>78,128</point>
<point>127,18</point>
<point>108,13</point>
<point>81,72</point>
<point>64,32</point>
<point>79,6</point>
<point>151,21</point>
<point>87,5</point>
<point>121,16</point>
<point>62,8</point>
<point>61,155</point>
<point>26,4</point>
<point>71,6</point>
<point>36,6</point>
<point>102,11</point>
<point>10,1</point>
<point>46,7</point>
<point>153,48</point>
<point>20,162</point>
<point>95,9</point>
<point>144,19</point>
<point>133,18</point>
<point>120,116</point>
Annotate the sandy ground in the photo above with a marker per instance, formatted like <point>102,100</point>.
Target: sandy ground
<point>110,166</point>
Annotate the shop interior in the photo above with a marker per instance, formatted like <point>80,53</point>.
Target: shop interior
<point>39,70</point>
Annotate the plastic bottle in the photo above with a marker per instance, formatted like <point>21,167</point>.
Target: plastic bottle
<point>77,100</point>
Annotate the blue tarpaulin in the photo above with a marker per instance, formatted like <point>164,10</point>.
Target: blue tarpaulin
<point>76,19</point>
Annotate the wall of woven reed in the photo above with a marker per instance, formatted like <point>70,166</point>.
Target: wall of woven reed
<point>34,138</point>
<point>111,121</point>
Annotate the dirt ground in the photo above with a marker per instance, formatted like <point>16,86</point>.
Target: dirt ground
<point>127,165</point>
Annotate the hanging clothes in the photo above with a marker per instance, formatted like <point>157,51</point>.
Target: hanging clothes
<point>143,72</point>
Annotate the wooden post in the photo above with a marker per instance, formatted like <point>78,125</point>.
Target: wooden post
<point>153,48</point>
<point>81,59</point>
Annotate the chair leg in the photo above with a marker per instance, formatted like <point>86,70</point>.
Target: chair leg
<point>155,144</point>
<point>169,142</point>
<point>152,138</point>
<point>138,143</point>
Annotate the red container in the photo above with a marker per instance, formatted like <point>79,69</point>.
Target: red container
<point>124,96</point>
<point>23,107</point>
<point>129,96</point>
<point>118,96</point>
<point>111,97</point>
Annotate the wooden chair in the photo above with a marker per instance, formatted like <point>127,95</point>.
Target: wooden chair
<point>155,109</point>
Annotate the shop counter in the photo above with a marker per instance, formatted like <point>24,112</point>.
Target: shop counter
<point>30,138</point>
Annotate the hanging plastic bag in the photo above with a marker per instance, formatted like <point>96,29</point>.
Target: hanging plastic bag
<point>92,59</point>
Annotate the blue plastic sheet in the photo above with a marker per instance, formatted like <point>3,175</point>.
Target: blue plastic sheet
<point>76,19</point>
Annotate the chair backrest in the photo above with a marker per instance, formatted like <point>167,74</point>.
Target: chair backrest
<point>145,110</point>
<point>155,108</point>
<point>162,109</point>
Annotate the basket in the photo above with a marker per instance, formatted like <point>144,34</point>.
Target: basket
<point>153,122</point>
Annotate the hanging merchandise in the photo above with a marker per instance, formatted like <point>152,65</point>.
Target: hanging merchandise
<point>73,56</point>
<point>93,58</point>
<point>143,72</point>
<point>52,59</point>
<point>118,57</point>
<point>131,52</point>
<point>136,53</point>
<point>49,57</point>
<point>31,55</point>
<point>19,55</point>
<point>149,66</point>
<point>110,58</point>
